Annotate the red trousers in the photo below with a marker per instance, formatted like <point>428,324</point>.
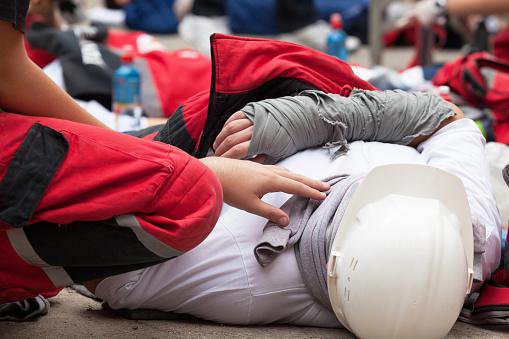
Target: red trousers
<point>79,202</point>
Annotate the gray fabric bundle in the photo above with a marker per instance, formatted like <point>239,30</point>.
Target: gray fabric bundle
<point>286,125</point>
<point>313,225</point>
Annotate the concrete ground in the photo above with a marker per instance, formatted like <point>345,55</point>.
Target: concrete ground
<point>74,316</point>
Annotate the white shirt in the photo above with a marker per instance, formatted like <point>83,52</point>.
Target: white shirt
<point>221,281</point>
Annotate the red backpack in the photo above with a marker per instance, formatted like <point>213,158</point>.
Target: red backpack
<point>482,80</point>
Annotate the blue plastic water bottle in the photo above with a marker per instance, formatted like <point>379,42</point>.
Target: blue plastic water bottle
<point>127,90</point>
<point>336,39</point>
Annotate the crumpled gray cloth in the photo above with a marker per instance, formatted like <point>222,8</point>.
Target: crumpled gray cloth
<point>313,226</point>
<point>286,125</point>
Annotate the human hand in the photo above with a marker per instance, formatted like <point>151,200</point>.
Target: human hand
<point>234,139</point>
<point>245,183</point>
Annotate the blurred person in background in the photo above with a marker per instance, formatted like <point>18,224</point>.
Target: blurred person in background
<point>427,11</point>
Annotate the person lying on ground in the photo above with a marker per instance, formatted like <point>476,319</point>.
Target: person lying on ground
<point>248,273</point>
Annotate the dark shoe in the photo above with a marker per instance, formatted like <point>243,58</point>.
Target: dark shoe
<point>24,310</point>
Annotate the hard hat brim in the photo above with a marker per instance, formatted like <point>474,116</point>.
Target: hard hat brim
<point>420,181</point>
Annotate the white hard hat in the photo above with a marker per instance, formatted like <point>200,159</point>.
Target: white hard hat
<point>401,263</point>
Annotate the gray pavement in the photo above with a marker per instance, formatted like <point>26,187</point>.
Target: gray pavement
<point>74,316</point>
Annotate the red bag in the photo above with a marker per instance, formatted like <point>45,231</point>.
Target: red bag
<point>482,80</point>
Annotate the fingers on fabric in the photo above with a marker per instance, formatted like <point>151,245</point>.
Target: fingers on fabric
<point>292,186</point>
<point>234,124</point>
<point>316,184</point>
<point>233,140</point>
<point>270,212</point>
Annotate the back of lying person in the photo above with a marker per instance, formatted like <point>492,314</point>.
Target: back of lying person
<point>221,280</point>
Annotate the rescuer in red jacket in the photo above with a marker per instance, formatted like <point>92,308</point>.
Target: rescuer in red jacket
<point>146,201</point>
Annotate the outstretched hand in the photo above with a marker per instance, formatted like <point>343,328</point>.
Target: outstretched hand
<point>234,139</point>
<point>245,183</point>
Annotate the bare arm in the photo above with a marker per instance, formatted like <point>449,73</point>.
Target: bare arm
<point>485,7</point>
<point>25,89</point>
<point>427,11</point>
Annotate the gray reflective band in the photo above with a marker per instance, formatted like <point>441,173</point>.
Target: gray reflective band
<point>24,249</point>
<point>150,242</point>
<point>149,97</point>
